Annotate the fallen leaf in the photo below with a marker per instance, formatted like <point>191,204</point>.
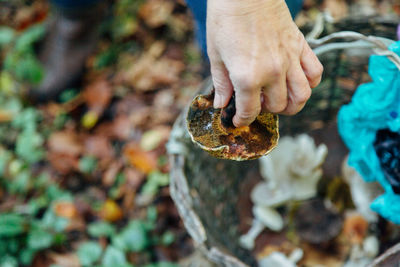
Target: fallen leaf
<point>65,209</point>
<point>110,211</point>
<point>98,146</point>
<point>98,95</point>
<point>65,142</point>
<point>65,260</point>
<point>142,160</point>
<point>355,228</point>
<point>133,178</point>
<point>111,173</point>
<point>63,163</point>
<point>5,115</point>
<point>150,71</point>
<point>156,13</point>
<point>155,137</point>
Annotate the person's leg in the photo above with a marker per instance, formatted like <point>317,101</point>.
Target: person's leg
<point>199,11</point>
<point>71,37</point>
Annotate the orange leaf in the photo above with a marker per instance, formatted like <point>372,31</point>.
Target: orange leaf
<point>355,228</point>
<point>65,209</point>
<point>110,211</point>
<point>142,160</point>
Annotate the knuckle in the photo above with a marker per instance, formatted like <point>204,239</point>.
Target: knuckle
<point>303,96</point>
<point>277,107</point>
<point>275,68</point>
<point>245,80</point>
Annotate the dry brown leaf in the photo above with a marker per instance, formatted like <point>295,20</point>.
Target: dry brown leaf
<point>143,161</point>
<point>355,228</point>
<point>65,260</point>
<point>98,95</point>
<point>65,209</point>
<point>313,256</point>
<point>151,71</point>
<point>156,13</point>
<point>110,211</point>
<point>5,116</point>
<point>133,178</point>
<point>63,163</point>
<point>99,146</point>
<point>111,173</point>
<point>65,142</point>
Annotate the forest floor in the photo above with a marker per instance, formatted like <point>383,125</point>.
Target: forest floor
<point>84,179</point>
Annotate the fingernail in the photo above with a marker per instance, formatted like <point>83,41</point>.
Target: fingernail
<point>217,101</point>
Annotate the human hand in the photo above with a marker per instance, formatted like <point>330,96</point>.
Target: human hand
<point>258,52</point>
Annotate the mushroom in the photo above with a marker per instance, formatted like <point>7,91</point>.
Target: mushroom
<point>295,165</point>
<point>264,217</point>
<point>362,193</point>
<point>213,131</point>
<point>279,259</point>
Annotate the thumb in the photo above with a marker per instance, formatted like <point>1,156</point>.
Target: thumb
<point>222,84</point>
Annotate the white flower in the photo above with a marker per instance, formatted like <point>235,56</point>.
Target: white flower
<point>294,165</point>
<point>362,193</point>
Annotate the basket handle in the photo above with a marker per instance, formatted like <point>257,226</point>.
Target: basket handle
<point>378,44</point>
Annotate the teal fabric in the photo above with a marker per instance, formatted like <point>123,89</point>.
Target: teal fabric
<point>374,106</point>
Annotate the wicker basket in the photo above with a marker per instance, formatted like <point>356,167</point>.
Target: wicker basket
<point>206,190</point>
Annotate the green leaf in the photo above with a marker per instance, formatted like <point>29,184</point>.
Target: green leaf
<point>100,229</point>
<point>134,237</point>
<point>87,164</point>
<point>27,119</point>
<point>167,238</point>
<point>51,221</point>
<point>68,95</point>
<point>152,214</point>
<point>155,180</point>
<point>26,256</point>
<point>114,257</point>
<point>21,183</point>
<point>162,264</point>
<point>29,37</point>
<point>8,261</point>
<point>29,69</point>
<point>5,158</point>
<point>11,225</point>
<point>29,146</point>
<point>6,35</point>
<point>7,86</point>
<point>89,253</point>
<point>39,239</point>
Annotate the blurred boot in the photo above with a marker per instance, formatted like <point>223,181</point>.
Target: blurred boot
<point>71,38</point>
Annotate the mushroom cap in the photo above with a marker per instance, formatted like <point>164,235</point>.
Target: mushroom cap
<point>207,128</point>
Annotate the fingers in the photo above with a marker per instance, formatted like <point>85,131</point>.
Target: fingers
<point>247,101</point>
<point>222,84</point>
<point>311,66</point>
<point>275,96</point>
<point>298,90</point>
